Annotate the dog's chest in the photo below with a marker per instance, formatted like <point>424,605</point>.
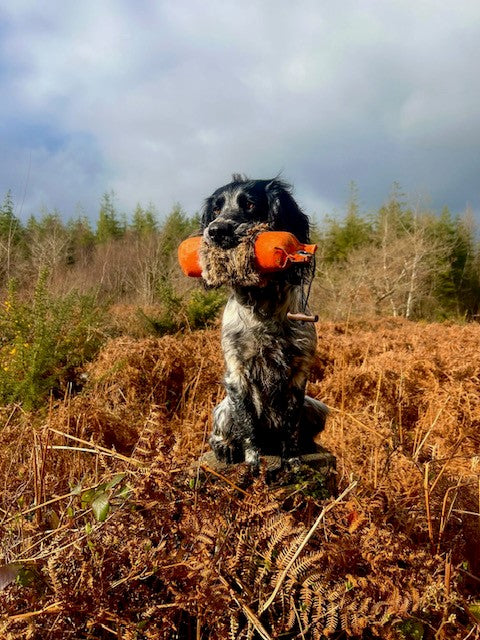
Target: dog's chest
<point>265,348</point>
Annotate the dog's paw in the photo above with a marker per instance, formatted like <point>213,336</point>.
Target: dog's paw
<point>226,452</point>
<point>252,458</point>
<point>221,450</point>
<point>294,464</point>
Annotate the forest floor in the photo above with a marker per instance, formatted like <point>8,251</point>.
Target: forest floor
<point>109,530</point>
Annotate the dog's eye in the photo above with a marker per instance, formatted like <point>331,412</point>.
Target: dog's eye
<point>217,205</point>
<point>249,206</point>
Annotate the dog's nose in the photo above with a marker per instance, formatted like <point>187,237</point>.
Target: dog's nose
<point>222,233</point>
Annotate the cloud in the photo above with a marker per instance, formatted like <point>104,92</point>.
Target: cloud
<point>163,101</point>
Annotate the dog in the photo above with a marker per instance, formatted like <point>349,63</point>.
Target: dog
<point>267,355</point>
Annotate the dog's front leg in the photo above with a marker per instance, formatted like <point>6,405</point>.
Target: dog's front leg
<point>291,428</point>
<point>244,416</point>
<point>223,441</point>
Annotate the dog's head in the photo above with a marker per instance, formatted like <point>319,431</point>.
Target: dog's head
<point>234,209</point>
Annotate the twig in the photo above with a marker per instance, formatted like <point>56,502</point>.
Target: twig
<point>44,504</point>
<point>205,467</point>
<point>56,550</point>
<point>197,477</point>
<point>299,622</point>
<point>99,448</point>
<point>55,607</point>
<point>59,447</point>
<point>322,515</point>
<point>448,459</point>
<point>15,407</point>
<point>470,575</point>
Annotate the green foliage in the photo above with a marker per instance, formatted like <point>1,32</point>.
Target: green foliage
<point>43,341</point>
<point>101,498</point>
<point>169,320</point>
<point>393,218</point>
<point>196,311</point>
<point>109,226</point>
<point>81,237</point>
<point>10,226</point>
<point>458,285</point>
<point>341,238</point>
<point>49,224</point>
<point>159,324</point>
<point>411,630</point>
<point>474,610</point>
<point>353,232</point>
<point>177,227</point>
<point>144,221</point>
<point>204,306</point>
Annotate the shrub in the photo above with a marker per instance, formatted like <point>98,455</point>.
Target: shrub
<point>203,306</point>
<point>44,341</point>
<point>176,313</point>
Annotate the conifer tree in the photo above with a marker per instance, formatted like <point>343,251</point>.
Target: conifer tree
<point>353,232</point>
<point>144,221</point>
<point>10,225</point>
<point>109,227</point>
<point>10,235</point>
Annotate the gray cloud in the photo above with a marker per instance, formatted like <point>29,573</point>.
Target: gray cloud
<point>162,101</point>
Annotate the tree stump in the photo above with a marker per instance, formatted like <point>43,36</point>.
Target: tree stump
<point>319,466</point>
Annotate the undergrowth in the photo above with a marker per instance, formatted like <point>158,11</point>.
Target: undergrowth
<point>194,311</point>
<point>110,529</point>
<point>44,340</point>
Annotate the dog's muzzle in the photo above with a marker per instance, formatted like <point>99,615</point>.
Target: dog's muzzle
<point>221,233</point>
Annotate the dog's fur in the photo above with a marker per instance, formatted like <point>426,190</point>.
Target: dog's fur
<point>267,356</point>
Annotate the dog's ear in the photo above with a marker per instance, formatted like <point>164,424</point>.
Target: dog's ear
<point>284,213</point>
<point>239,177</point>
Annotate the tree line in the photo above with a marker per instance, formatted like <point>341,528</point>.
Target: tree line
<point>396,260</point>
<point>399,261</point>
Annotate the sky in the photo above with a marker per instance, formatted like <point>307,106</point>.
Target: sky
<point>160,101</point>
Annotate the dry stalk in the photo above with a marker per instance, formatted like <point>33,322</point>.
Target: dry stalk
<point>219,475</point>
<point>194,387</point>
<point>250,615</point>
<point>60,447</point>
<point>197,477</point>
<point>11,414</point>
<point>417,449</point>
<point>400,417</point>
<point>55,550</point>
<point>427,502</point>
<point>444,518</point>
<point>55,607</point>
<point>359,422</point>
<point>377,395</point>
<point>444,466</point>
<point>448,574</point>
<point>44,504</point>
<point>101,450</point>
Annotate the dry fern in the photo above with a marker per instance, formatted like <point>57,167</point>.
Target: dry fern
<point>186,556</point>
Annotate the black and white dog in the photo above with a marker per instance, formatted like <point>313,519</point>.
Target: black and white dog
<point>267,355</point>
